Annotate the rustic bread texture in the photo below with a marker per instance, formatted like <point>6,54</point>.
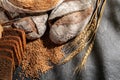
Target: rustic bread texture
<point>28,26</point>
<point>34,26</point>
<point>32,36</point>
<point>29,6</point>
<point>68,7</point>
<point>25,24</point>
<point>69,26</point>
<point>40,22</point>
<point>6,68</point>
<point>16,32</point>
<point>13,48</point>
<point>12,15</point>
<point>14,43</point>
<point>15,38</point>
<point>7,52</point>
<point>3,17</point>
<point>35,4</point>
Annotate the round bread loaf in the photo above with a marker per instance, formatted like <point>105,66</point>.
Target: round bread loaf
<point>69,19</point>
<point>68,7</point>
<point>34,26</point>
<point>69,26</point>
<point>29,6</point>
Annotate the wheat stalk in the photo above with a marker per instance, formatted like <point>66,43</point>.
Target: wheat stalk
<point>84,60</point>
<point>82,38</point>
<point>81,65</point>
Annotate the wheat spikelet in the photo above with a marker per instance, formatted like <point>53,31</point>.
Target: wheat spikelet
<point>87,33</point>
<point>82,41</point>
<point>81,65</point>
<point>82,45</point>
<point>84,60</point>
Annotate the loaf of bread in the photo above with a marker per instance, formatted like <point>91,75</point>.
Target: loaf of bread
<point>25,24</point>
<point>66,24</point>
<point>40,22</point>
<point>28,26</point>
<point>68,7</point>
<point>14,40</point>
<point>29,6</point>
<point>4,18</point>
<point>34,26</point>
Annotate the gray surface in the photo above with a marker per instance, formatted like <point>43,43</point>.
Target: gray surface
<point>104,62</point>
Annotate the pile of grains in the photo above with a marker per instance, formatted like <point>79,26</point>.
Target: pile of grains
<point>35,4</point>
<point>39,55</point>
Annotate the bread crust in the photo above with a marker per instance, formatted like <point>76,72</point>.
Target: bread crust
<point>6,68</point>
<point>29,6</point>
<point>6,52</point>
<point>15,43</point>
<point>69,26</point>
<point>16,32</point>
<point>15,38</point>
<point>9,53</point>
<point>68,7</point>
<point>13,48</point>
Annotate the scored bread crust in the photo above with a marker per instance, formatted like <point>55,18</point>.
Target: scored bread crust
<point>69,26</point>
<point>34,4</point>
<point>68,7</point>
<point>6,4</point>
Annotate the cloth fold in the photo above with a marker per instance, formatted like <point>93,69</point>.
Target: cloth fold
<point>104,61</point>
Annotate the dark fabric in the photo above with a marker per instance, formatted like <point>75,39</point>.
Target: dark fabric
<point>104,61</point>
